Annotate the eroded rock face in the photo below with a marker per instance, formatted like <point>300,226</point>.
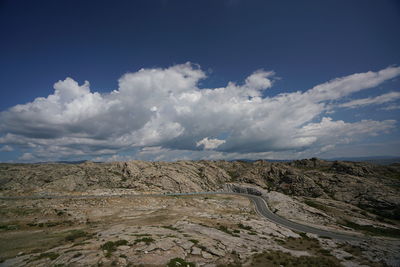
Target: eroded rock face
<point>362,184</point>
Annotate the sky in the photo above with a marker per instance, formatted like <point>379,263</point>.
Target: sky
<point>187,80</point>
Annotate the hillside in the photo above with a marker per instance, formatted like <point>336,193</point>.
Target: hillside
<point>353,198</point>
<point>369,186</point>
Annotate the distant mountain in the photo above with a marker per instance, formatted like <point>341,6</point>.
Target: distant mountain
<point>381,160</point>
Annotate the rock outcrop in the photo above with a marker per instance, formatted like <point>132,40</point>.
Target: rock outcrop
<point>366,185</point>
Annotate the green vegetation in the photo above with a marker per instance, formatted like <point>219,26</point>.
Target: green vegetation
<point>50,255</point>
<point>225,229</point>
<point>194,241</point>
<point>245,227</point>
<point>59,212</point>
<point>171,236</point>
<point>352,249</point>
<point>146,240</point>
<point>170,227</point>
<point>369,229</point>
<point>233,174</point>
<point>325,237</point>
<point>49,224</point>
<point>303,235</point>
<point>364,213</point>
<point>322,256</point>
<point>178,262</point>
<point>111,246</point>
<point>140,235</point>
<point>76,234</point>
<point>8,227</point>
<point>393,214</point>
<point>278,258</point>
<point>316,205</point>
<point>77,255</point>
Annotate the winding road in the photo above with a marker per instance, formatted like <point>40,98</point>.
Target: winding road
<point>260,205</point>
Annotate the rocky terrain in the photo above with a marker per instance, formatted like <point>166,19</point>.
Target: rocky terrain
<point>206,230</point>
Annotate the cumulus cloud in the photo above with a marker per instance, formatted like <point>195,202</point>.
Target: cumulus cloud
<point>166,110</point>
<point>385,98</point>
<point>210,143</point>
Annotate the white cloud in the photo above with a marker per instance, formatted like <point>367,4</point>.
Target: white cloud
<point>165,109</point>
<point>391,107</point>
<point>389,97</point>
<point>210,143</point>
<point>6,148</point>
<point>344,86</point>
<point>26,157</point>
<point>328,131</point>
<point>259,80</point>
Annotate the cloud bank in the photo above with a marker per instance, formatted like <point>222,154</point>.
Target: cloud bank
<point>155,111</point>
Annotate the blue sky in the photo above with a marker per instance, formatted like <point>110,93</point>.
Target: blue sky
<point>266,79</point>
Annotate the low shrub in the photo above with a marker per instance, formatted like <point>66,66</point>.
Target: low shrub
<point>225,229</point>
<point>50,255</point>
<point>316,205</point>
<point>76,234</point>
<point>245,227</point>
<point>278,258</point>
<point>111,246</point>
<point>178,262</point>
<point>170,227</point>
<point>391,232</point>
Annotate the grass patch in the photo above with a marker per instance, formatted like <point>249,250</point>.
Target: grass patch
<point>77,255</point>
<point>76,234</point>
<point>353,250</point>
<point>8,227</point>
<point>278,258</point>
<point>308,244</point>
<point>171,236</point>
<point>369,229</point>
<point>111,246</point>
<point>50,255</point>
<point>325,237</point>
<point>194,241</point>
<point>225,229</point>
<point>245,227</point>
<point>178,262</point>
<point>316,205</point>
<point>140,235</point>
<point>304,235</point>
<point>170,227</point>
<point>80,243</point>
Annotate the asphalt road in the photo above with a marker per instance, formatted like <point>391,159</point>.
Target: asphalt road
<point>260,206</point>
<point>263,210</point>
